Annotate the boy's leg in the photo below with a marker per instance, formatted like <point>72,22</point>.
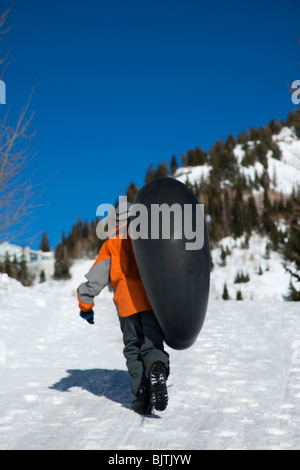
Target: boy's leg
<point>152,348</point>
<point>156,360</point>
<point>133,338</point>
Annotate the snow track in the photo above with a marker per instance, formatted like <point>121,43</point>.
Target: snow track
<point>64,383</point>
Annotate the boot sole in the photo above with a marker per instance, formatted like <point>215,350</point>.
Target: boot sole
<point>159,394</point>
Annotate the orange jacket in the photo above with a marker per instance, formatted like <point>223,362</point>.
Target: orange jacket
<point>115,263</point>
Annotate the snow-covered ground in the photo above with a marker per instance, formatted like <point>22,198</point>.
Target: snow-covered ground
<point>64,383</point>
<point>268,280</point>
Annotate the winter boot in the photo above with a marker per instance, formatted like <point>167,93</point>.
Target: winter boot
<point>158,381</point>
<point>142,404</point>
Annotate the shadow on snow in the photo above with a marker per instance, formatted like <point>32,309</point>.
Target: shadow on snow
<point>112,384</point>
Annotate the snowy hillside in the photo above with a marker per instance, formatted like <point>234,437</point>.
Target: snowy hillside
<point>64,383</point>
<point>268,280</point>
<point>251,259</point>
<point>284,174</point>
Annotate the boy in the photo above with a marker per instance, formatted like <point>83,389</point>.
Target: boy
<point>146,359</point>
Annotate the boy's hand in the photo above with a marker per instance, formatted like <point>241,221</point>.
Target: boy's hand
<point>88,316</point>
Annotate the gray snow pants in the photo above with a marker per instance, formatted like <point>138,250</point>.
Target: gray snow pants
<point>144,345</point>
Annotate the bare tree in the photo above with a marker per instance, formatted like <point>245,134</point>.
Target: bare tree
<point>3,31</point>
<point>17,196</point>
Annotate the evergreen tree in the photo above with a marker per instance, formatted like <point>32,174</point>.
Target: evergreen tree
<point>276,152</point>
<point>8,266</point>
<point>174,165</point>
<point>213,194</point>
<point>82,241</point>
<point>250,157</point>
<point>230,143</point>
<point>292,245</point>
<point>293,121</point>
<point>241,278</point>
<point>227,222</point>
<point>223,257</point>
<point>238,218</point>
<point>150,174</point>
<point>267,251</point>
<point>42,276</point>
<point>242,138</point>
<point>275,126</point>
<point>293,294</point>
<point>253,134</point>
<point>85,230</point>
<point>44,245</point>
<point>23,270</point>
<point>24,276</point>
<point>15,267</point>
<point>131,193</point>
<point>225,295</point>
<point>162,170</point>
<point>252,213</point>
<point>239,295</point>
<point>62,263</point>
<point>265,135</point>
<point>223,162</point>
<point>184,160</point>
<point>261,151</point>
<point>196,157</point>
<point>267,222</point>
<point>274,236</point>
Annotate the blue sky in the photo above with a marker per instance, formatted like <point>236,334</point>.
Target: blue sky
<point>122,84</point>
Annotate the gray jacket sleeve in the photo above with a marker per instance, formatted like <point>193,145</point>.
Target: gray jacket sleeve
<point>97,279</point>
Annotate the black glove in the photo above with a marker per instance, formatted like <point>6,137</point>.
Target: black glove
<point>88,316</point>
